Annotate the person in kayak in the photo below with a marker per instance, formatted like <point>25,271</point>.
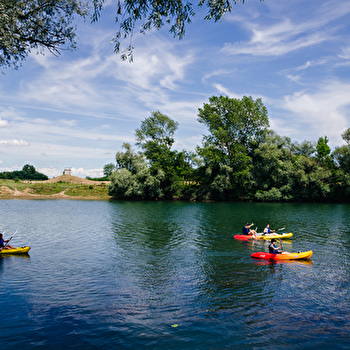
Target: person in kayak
<point>267,230</point>
<point>3,241</point>
<point>246,230</point>
<point>272,247</point>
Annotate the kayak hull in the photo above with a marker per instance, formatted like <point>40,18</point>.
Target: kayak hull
<point>276,235</point>
<point>243,237</point>
<point>19,250</point>
<point>265,237</point>
<point>286,256</point>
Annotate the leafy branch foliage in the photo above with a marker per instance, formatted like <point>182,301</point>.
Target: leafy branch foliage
<point>49,24</point>
<point>36,24</point>
<point>155,14</point>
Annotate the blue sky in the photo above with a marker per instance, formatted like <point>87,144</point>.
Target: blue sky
<point>76,110</point>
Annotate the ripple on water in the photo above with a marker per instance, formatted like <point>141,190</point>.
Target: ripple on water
<point>170,275</point>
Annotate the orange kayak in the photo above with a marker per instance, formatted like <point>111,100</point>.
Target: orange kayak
<point>283,256</point>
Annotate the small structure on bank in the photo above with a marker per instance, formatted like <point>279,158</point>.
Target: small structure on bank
<point>67,171</point>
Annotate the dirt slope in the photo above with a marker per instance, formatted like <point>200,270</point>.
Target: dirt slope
<point>76,180</point>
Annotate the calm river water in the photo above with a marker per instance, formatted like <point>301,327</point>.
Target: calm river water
<point>170,275</point>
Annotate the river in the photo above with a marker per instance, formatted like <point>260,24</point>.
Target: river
<point>170,275</point>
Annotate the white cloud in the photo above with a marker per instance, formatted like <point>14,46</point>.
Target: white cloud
<point>68,123</point>
<point>51,172</point>
<point>345,53</point>
<point>81,172</point>
<point>314,114</point>
<point>4,123</point>
<point>215,73</point>
<point>276,40</point>
<point>283,35</point>
<point>14,143</point>
<point>294,78</point>
<point>7,113</point>
<point>102,86</point>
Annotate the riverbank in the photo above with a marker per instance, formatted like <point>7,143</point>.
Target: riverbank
<point>61,187</point>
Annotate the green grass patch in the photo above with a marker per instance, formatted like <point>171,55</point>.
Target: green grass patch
<point>21,186</point>
<point>96,191</point>
<point>48,188</point>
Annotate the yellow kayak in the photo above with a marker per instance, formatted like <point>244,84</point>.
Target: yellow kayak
<point>275,235</point>
<point>264,237</point>
<point>19,250</point>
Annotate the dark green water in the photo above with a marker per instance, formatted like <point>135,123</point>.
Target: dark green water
<point>169,275</point>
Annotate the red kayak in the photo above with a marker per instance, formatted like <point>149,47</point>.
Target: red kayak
<point>283,256</point>
<point>243,237</point>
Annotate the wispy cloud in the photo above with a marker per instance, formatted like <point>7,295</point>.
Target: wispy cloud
<point>289,33</point>
<point>278,39</point>
<point>309,115</point>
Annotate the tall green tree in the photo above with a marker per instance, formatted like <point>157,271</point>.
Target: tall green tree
<point>285,171</point>
<point>236,127</point>
<point>158,129</point>
<point>156,137</point>
<point>270,177</point>
<point>108,169</point>
<point>36,24</point>
<point>133,178</point>
<point>323,152</point>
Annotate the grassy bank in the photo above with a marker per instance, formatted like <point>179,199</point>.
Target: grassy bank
<point>18,189</point>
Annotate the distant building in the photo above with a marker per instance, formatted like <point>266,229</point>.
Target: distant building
<point>67,171</point>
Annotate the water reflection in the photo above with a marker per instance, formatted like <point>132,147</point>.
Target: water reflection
<point>15,256</point>
<point>290,263</point>
<point>150,265</point>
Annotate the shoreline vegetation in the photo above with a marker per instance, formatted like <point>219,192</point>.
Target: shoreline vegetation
<point>240,159</point>
<point>61,187</point>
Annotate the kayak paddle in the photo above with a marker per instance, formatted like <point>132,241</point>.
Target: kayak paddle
<point>10,238</point>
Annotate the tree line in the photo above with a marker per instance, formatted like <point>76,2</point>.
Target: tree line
<point>28,172</point>
<point>240,158</point>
